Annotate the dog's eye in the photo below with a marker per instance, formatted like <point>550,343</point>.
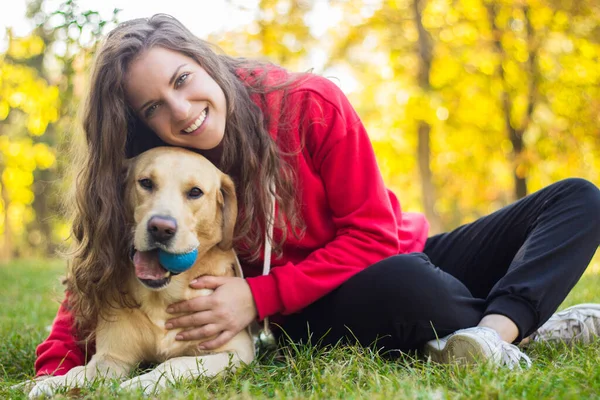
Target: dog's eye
<point>146,183</point>
<point>195,193</point>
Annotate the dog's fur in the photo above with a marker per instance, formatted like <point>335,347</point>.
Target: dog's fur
<point>130,336</point>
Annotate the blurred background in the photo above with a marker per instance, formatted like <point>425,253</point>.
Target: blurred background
<point>470,104</point>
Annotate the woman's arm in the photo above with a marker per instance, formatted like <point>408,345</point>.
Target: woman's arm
<point>59,352</point>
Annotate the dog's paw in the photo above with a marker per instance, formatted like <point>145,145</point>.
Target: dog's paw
<point>49,386</point>
<point>26,386</point>
<point>148,384</point>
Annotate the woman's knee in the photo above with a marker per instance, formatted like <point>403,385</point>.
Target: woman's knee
<point>584,190</point>
<point>586,196</point>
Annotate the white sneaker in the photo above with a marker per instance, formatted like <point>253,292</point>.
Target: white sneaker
<point>473,345</point>
<point>577,324</point>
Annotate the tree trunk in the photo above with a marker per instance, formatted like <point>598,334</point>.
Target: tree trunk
<point>424,129</point>
<point>515,133</point>
<point>43,212</point>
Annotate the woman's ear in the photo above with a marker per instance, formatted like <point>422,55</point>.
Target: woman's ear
<point>229,212</point>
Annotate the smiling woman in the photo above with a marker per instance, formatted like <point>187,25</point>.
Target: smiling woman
<point>177,99</point>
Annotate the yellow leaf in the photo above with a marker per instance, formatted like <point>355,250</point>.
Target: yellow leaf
<point>44,156</point>
<point>4,110</point>
<point>25,47</point>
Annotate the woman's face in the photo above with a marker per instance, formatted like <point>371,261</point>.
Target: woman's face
<point>177,99</point>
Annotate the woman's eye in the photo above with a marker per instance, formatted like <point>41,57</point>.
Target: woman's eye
<point>150,110</point>
<point>195,193</point>
<point>181,79</point>
<point>146,183</point>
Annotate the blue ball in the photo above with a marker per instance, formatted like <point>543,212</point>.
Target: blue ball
<point>177,263</point>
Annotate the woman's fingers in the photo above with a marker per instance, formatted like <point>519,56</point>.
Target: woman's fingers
<point>209,282</point>
<point>203,332</point>
<point>217,342</point>
<point>200,303</point>
<point>195,320</point>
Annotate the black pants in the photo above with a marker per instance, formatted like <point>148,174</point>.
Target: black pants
<point>520,261</point>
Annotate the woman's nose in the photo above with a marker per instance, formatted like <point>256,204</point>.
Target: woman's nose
<point>181,109</point>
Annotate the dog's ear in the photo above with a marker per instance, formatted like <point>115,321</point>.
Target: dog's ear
<point>127,166</point>
<point>229,211</point>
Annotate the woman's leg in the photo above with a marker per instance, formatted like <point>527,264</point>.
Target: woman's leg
<point>398,303</point>
<point>519,262</point>
<point>525,258</point>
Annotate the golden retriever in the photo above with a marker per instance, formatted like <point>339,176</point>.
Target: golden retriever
<point>180,201</point>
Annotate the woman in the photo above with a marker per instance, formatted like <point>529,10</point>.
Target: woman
<point>348,264</point>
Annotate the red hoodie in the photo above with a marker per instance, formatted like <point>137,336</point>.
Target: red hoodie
<point>352,220</point>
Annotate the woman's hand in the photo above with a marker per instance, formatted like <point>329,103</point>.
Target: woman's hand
<point>224,313</point>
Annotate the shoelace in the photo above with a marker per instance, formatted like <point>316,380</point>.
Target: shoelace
<point>512,356</point>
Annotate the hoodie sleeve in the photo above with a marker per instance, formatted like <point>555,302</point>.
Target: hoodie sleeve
<point>59,352</point>
<point>364,222</point>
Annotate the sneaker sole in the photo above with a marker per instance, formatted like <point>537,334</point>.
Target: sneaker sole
<point>593,306</point>
<point>462,349</point>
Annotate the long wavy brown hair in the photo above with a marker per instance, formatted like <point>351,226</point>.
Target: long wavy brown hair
<point>99,264</point>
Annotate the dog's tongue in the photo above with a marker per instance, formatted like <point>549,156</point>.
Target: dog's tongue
<point>147,265</point>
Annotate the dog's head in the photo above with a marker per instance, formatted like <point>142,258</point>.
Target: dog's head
<point>180,201</point>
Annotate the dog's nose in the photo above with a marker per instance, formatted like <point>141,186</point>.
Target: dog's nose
<point>162,228</point>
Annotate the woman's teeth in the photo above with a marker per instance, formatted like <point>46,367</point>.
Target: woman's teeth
<point>196,123</point>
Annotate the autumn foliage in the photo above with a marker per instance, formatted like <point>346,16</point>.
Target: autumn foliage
<point>470,104</point>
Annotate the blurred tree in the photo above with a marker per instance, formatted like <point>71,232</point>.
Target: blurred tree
<point>515,128</point>
<point>28,104</point>
<point>513,95</point>
<point>425,52</point>
<point>523,36</point>
<point>278,33</point>
<point>71,35</point>
<point>55,55</point>
<point>470,104</point>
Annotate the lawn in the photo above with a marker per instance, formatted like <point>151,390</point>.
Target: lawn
<point>31,290</point>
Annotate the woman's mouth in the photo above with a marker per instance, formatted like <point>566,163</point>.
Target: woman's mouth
<point>197,124</point>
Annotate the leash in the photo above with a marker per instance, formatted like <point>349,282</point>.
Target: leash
<point>266,340</point>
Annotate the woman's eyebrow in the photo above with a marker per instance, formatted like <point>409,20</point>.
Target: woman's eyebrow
<point>170,83</point>
<point>175,74</point>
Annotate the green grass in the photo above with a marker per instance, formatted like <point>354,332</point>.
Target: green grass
<point>29,298</point>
